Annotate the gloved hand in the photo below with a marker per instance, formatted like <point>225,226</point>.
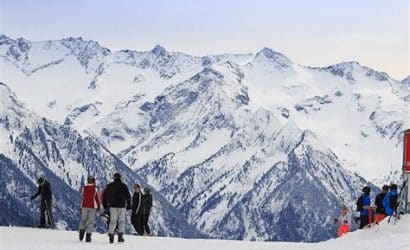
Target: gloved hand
<point>336,220</point>
<point>128,207</point>
<point>345,222</point>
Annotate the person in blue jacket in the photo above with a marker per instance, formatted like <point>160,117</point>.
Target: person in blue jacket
<point>366,211</point>
<point>390,201</point>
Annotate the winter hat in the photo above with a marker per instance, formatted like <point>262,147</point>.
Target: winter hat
<point>393,187</point>
<point>385,188</point>
<point>147,190</point>
<point>117,176</point>
<point>91,179</point>
<point>41,181</point>
<point>366,190</point>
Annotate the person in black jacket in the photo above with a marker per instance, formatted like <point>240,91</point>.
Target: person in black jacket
<point>117,197</point>
<point>136,215</point>
<point>380,211</point>
<point>44,190</point>
<point>146,204</point>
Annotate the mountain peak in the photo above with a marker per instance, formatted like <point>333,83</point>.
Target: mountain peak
<point>273,56</point>
<point>5,39</point>
<point>158,50</point>
<point>347,69</point>
<point>406,80</point>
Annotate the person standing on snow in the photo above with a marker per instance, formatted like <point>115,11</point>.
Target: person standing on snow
<point>90,205</point>
<point>344,220</point>
<point>146,205</point>
<point>365,208</point>
<point>390,201</point>
<point>44,189</point>
<point>117,197</point>
<point>380,211</point>
<point>136,215</point>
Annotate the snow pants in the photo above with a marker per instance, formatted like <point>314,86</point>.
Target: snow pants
<point>144,223</point>
<point>379,217</point>
<point>136,220</point>
<point>87,219</point>
<point>117,216</point>
<point>46,211</point>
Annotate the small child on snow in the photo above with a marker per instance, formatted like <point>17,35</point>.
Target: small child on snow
<point>344,220</point>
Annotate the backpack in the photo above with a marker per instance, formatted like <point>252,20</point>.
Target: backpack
<point>379,203</point>
<point>359,204</point>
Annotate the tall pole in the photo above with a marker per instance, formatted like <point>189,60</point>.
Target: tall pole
<point>406,167</point>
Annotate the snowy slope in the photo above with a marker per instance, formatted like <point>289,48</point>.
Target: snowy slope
<point>239,145</point>
<point>33,146</point>
<point>394,237</point>
<point>81,83</point>
<point>356,111</point>
<point>235,172</point>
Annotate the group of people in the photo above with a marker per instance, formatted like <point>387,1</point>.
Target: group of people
<point>386,203</point>
<point>115,199</point>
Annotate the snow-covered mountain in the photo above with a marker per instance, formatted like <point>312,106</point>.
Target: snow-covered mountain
<point>33,146</point>
<point>242,146</point>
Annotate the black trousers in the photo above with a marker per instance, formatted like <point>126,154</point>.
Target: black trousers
<point>364,220</point>
<point>144,223</point>
<point>136,220</point>
<point>46,211</point>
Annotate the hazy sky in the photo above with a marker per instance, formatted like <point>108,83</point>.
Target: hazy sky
<point>310,32</point>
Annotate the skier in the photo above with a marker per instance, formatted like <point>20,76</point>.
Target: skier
<point>344,220</point>
<point>380,211</point>
<point>117,197</point>
<point>366,209</point>
<point>390,201</point>
<point>44,189</point>
<point>136,215</point>
<point>89,207</point>
<point>146,204</point>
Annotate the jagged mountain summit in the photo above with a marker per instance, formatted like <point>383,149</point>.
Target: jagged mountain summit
<point>241,146</point>
<point>406,80</point>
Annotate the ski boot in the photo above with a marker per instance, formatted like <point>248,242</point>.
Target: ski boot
<point>111,237</point>
<point>120,238</point>
<point>81,234</point>
<point>88,237</point>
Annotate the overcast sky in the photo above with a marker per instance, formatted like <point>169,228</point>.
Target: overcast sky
<point>310,32</point>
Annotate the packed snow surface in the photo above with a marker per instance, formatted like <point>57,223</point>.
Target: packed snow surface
<point>387,236</point>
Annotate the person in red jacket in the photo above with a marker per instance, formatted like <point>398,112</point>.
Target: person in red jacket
<point>90,205</point>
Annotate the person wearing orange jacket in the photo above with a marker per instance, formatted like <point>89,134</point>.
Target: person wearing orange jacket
<point>344,220</point>
<point>90,205</point>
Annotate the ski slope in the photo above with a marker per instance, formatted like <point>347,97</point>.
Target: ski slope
<point>387,236</point>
